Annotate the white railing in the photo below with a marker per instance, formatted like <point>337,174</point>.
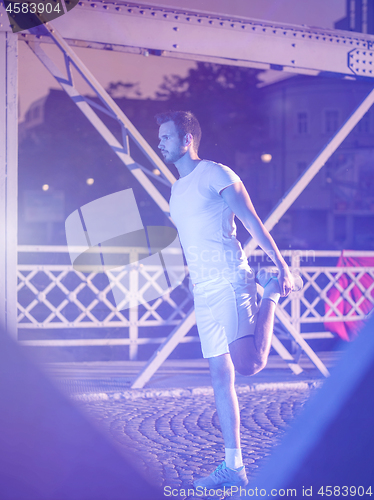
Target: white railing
<point>55,296</point>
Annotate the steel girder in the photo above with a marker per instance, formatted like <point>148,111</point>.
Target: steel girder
<point>194,35</point>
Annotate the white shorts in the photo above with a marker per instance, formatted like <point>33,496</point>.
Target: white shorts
<point>224,312</point>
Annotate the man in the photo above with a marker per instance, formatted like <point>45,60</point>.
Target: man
<point>235,332</point>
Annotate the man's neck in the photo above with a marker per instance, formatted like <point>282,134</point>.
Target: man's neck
<point>187,164</point>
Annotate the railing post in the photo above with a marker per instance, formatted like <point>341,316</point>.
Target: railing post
<point>133,310</point>
<point>295,296</point>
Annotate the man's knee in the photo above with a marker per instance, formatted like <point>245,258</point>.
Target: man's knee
<point>250,367</point>
<point>222,374</point>
<point>246,357</point>
<point>222,378</point>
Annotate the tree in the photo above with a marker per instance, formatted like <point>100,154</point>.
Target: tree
<point>225,100</point>
<point>129,90</point>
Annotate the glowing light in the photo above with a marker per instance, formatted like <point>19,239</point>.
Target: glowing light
<point>156,171</point>
<point>266,158</point>
<point>45,187</point>
<point>90,181</point>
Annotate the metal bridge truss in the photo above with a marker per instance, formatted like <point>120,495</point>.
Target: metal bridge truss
<point>192,35</point>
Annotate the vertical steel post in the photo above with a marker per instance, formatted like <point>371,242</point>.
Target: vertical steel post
<point>8,181</point>
<point>295,297</point>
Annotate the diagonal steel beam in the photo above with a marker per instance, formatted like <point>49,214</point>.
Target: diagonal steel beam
<point>282,317</point>
<point>109,103</point>
<point>121,150</point>
<point>166,348</point>
<point>277,345</point>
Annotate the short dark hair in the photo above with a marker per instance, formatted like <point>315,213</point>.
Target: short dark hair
<point>185,123</point>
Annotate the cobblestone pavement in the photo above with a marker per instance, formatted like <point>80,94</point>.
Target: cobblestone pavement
<point>175,440</point>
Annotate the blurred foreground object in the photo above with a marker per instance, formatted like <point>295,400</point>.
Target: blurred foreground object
<point>48,449</point>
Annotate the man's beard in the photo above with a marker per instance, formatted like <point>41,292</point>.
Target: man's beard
<point>175,156</point>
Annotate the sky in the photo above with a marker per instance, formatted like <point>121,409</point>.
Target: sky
<point>35,81</point>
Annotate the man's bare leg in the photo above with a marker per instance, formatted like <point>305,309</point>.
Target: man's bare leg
<point>223,378</point>
<point>231,472</point>
<point>250,354</point>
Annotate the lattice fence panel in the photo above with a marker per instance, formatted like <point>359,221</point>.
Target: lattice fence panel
<point>57,296</point>
<point>316,305</point>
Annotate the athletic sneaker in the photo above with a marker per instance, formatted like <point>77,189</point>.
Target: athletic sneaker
<point>266,274</point>
<point>223,476</point>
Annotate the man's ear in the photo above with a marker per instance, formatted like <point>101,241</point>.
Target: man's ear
<point>188,139</point>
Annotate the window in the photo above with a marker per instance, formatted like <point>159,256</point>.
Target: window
<point>302,122</point>
<point>331,120</point>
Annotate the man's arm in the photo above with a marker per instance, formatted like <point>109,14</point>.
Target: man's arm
<point>237,198</point>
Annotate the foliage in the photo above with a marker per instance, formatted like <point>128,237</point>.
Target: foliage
<point>225,100</point>
<point>119,89</point>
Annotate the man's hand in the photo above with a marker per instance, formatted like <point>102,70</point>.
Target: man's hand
<point>286,281</point>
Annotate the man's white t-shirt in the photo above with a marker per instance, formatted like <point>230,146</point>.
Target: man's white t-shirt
<point>205,223</point>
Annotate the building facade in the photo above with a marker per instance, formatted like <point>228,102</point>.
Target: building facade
<point>360,17</point>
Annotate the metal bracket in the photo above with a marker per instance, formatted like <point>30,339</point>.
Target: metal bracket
<point>361,62</point>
